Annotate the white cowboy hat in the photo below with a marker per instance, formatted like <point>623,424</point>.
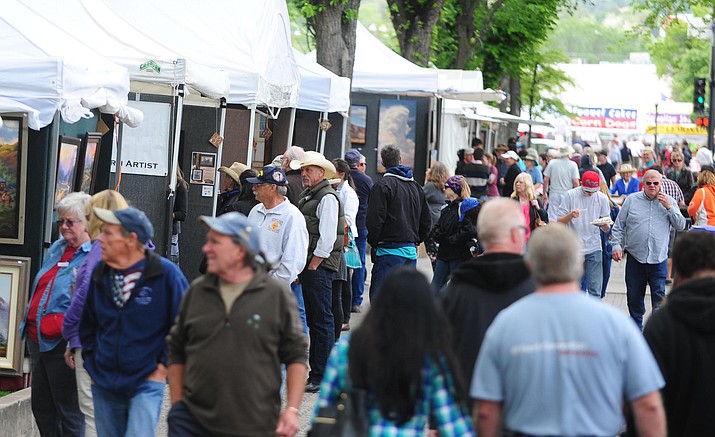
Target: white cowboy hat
<point>626,168</point>
<point>316,159</point>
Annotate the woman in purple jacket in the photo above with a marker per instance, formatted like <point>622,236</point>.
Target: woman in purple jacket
<point>107,199</point>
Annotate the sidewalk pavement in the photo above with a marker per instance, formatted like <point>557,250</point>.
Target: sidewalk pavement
<point>615,295</point>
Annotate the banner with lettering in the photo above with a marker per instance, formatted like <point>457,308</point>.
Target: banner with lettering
<point>145,149</point>
<point>605,118</point>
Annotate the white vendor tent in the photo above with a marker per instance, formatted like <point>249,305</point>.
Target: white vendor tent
<point>45,69</point>
<point>248,39</point>
<point>467,86</point>
<point>153,68</point>
<point>320,89</point>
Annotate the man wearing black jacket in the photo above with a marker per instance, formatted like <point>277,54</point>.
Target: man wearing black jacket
<point>681,335</point>
<point>483,286</point>
<point>398,218</point>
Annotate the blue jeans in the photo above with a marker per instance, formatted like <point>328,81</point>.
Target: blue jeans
<point>54,393</point>
<point>443,272</point>
<point>359,274</point>
<point>119,416</point>
<point>297,290</point>
<point>638,275</point>
<point>382,267</point>
<point>607,260</point>
<point>318,295</point>
<point>592,280</point>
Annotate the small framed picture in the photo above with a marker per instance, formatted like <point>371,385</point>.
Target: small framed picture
<point>358,123</point>
<point>14,285</point>
<point>67,161</point>
<point>207,159</point>
<point>197,175</point>
<point>88,163</point>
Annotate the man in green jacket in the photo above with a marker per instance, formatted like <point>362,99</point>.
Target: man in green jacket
<point>235,328</point>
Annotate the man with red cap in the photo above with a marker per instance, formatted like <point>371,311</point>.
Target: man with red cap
<point>585,209</point>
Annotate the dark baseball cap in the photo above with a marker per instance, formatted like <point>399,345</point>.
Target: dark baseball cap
<point>131,219</point>
<point>269,175</point>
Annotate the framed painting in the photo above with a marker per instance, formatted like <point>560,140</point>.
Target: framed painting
<point>67,160</point>
<point>13,176</point>
<point>91,144</point>
<point>358,124</point>
<point>203,168</point>
<point>398,121</point>
<point>14,283</point>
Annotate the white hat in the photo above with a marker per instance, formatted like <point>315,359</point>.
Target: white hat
<point>317,159</point>
<point>510,154</point>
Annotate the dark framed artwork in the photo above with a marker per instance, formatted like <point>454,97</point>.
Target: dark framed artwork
<point>67,160</point>
<point>13,177</point>
<point>86,176</point>
<point>358,124</point>
<point>197,175</point>
<point>14,284</point>
<point>398,121</point>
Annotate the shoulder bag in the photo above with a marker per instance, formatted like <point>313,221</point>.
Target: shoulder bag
<point>51,323</point>
<point>352,255</point>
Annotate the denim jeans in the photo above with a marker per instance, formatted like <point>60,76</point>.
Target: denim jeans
<point>318,295</point>
<point>443,272</point>
<point>54,393</point>
<point>182,423</point>
<point>138,414</point>
<point>383,266</point>
<point>638,275</point>
<point>297,289</point>
<point>359,274</point>
<point>592,280</point>
<point>607,260</point>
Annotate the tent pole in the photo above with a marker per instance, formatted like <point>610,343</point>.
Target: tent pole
<point>178,112</point>
<point>251,128</point>
<point>221,131</point>
<point>291,129</point>
<point>324,116</point>
<point>344,137</point>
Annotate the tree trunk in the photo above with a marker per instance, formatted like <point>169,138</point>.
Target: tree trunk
<point>335,35</point>
<point>414,24</point>
<point>466,31</point>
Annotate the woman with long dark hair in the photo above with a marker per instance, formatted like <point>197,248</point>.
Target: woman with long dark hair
<point>401,355</point>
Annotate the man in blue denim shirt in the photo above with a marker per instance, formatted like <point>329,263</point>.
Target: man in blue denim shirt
<point>642,231</point>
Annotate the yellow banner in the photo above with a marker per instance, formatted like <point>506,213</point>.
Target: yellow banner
<point>677,129</point>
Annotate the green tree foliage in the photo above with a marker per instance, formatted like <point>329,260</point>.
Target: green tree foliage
<point>545,82</point>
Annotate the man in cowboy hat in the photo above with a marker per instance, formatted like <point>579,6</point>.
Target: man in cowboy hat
<point>531,161</point>
<point>398,218</point>
<point>627,184</point>
<point>325,220</point>
<point>560,176</point>
<point>231,192</point>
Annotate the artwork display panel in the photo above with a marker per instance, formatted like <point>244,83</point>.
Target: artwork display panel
<point>14,283</point>
<point>397,126</point>
<point>87,175</point>
<point>358,124</point>
<point>203,168</point>
<point>67,162</point>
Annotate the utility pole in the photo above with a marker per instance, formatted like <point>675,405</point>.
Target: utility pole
<point>711,109</point>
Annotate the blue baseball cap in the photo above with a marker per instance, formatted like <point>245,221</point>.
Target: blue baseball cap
<point>131,219</point>
<point>352,157</point>
<point>269,175</point>
<point>235,225</point>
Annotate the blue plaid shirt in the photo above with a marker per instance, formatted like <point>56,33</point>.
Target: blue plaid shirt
<point>438,399</point>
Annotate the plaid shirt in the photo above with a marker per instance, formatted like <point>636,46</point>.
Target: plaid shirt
<point>437,399</point>
<point>672,189</point>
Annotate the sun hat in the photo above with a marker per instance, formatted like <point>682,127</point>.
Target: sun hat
<point>131,219</point>
<point>531,155</point>
<point>235,225</point>
<point>269,175</point>
<point>626,168</point>
<point>234,172</point>
<point>502,147</point>
<point>316,159</point>
<point>591,181</point>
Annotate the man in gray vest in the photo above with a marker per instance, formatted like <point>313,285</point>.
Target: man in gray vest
<point>325,220</point>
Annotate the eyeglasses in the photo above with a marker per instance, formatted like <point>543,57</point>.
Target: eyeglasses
<point>676,160</point>
<point>652,183</point>
<point>69,222</point>
<point>362,164</point>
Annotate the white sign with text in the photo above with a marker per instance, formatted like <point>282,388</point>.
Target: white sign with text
<point>145,149</point>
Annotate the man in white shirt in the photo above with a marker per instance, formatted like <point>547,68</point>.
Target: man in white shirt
<point>579,208</point>
<point>284,236</point>
<point>559,176</point>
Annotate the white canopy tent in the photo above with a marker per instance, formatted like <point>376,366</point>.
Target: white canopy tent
<point>47,70</point>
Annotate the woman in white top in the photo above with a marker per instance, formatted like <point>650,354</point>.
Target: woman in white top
<point>342,289</point>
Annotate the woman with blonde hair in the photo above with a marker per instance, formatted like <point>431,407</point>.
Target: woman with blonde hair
<point>453,248</point>
<point>702,206</point>
<point>531,207</point>
<point>437,175</point>
<point>111,200</point>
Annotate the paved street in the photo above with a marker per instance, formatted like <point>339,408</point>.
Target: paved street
<point>616,296</point>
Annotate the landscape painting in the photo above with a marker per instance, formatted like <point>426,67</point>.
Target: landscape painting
<point>358,124</point>
<point>14,282</point>
<point>67,166</point>
<point>13,149</point>
<point>398,120</point>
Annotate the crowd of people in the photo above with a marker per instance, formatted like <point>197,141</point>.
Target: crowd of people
<point>521,245</point>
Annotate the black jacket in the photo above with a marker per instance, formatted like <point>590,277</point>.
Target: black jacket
<point>295,186</point>
<point>681,335</point>
<point>479,289</point>
<point>533,213</point>
<point>181,202</point>
<point>453,245</point>
<point>363,185</point>
<point>397,211</point>
<point>512,172</point>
